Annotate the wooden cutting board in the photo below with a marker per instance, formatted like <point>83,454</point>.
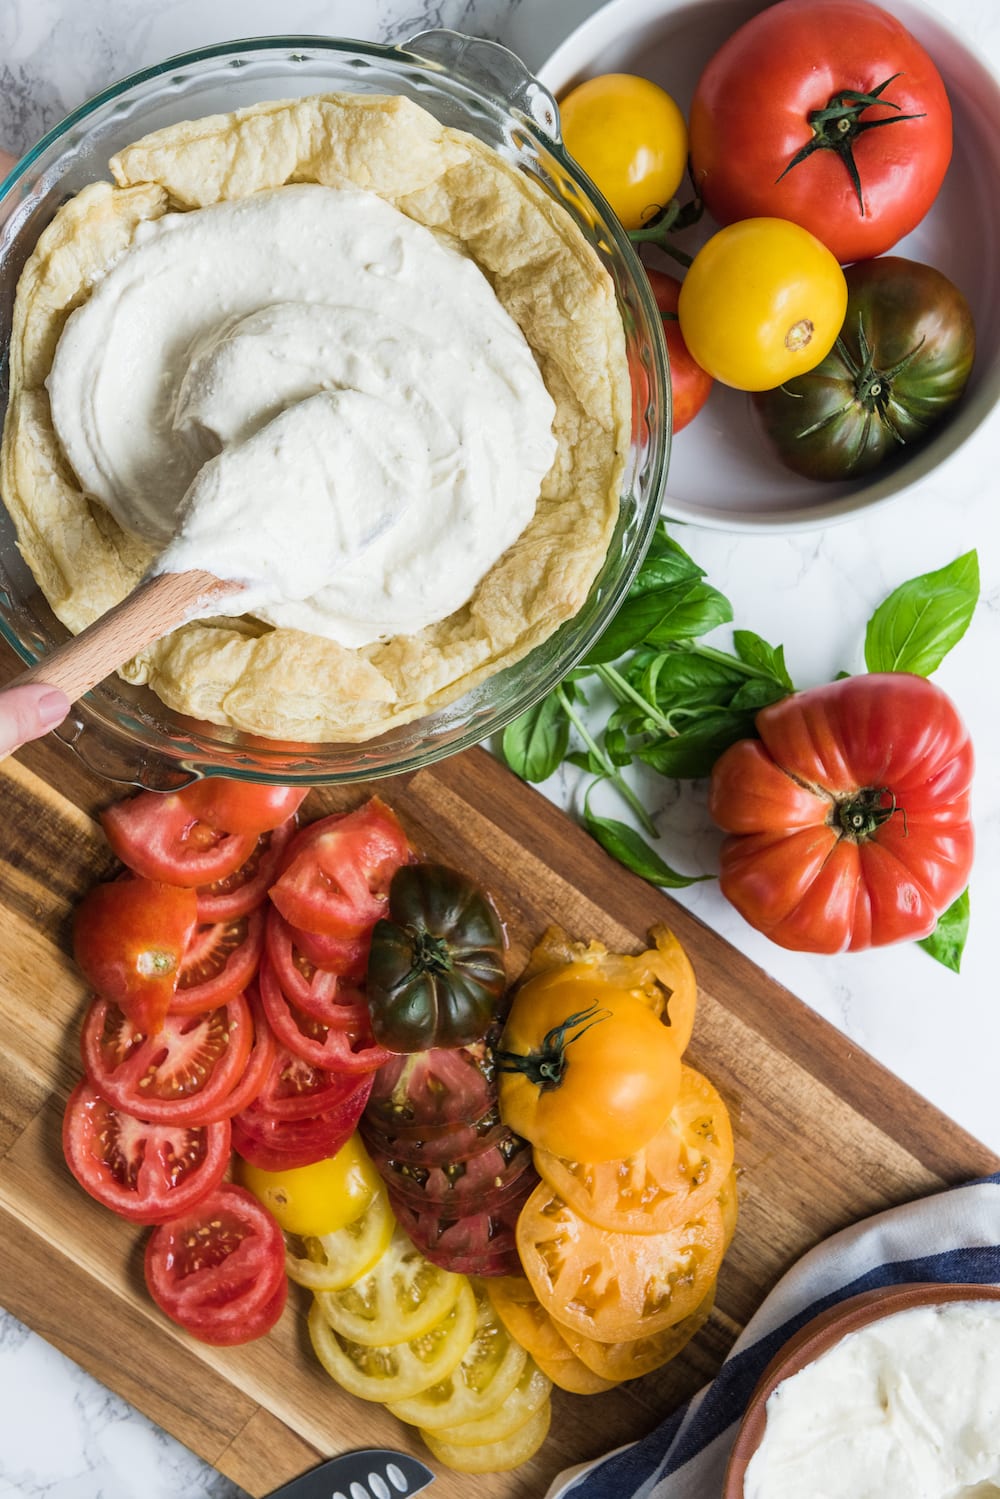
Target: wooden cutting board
<point>824,1134</point>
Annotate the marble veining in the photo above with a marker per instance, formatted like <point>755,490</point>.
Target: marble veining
<point>62,1436</point>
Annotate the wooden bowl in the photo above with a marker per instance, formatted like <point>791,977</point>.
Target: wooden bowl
<point>817,1338</point>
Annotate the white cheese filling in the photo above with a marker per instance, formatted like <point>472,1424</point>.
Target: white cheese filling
<point>307,392</point>
<point>908,1408</point>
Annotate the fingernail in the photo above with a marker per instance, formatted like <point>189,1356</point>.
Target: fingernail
<point>52,708</point>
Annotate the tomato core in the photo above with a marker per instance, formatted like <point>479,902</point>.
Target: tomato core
<point>838,125</point>
<point>861,816</point>
<point>546,1066</point>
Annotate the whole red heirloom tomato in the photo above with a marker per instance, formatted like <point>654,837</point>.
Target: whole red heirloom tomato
<point>826,112</point>
<point>849,816</point>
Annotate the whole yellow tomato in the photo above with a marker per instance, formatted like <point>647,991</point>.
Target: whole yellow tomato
<point>762,301</point>
<point>631,140</point>
<point>318,1199</point>
<point>587,1071</point>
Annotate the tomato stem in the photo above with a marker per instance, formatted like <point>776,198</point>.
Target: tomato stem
<point>609,770</point>
<point>861,815</point>
<point>546,1066</point>
<point>837,126</point>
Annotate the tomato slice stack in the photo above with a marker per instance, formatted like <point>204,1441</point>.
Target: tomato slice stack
<point>217,1023</point>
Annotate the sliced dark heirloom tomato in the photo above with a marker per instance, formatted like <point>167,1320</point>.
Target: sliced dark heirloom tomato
<point>277,1142</point>
<point>344,1047</point>
<point>161,838</point>
<point>477,1244</point>
<point>218,1270</point>
<point>318,991</point>
<point>182,1074</point>
<point>241,891</point>
<point>221,960</point>
<point>427,1093</point>
<point>129,940</point>
<point>238,807</point>
<point>456,1188</point>
<point>456,1144</point>
<point>338,884</point>
<point>141,1171</point>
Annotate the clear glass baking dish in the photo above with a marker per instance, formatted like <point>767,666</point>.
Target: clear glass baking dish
<point>125,732</point>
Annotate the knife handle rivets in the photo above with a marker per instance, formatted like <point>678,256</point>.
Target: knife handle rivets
<point>378,1486</point>
<point>396,1478</point>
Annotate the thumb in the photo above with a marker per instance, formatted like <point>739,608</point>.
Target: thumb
<point>29,712</point>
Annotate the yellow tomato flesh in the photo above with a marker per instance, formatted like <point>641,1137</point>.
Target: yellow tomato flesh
<point>762,301</point>
<point>630,138</point>
<point>318,1199</point>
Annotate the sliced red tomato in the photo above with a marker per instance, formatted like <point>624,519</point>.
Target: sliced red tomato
<point>322,992</point>
<point>161,838</point>
<point>263,1054</point>
<point>346,1046</point>
<point>277,1142</point>
<point>240,892</point>
<point>239,807</point>
<point>180,1075</point>
<point>339,883</point>
<point>221,960</point>
<point>141,1171</point>
<point>218,1270</point>
<point>347,956</point>
<point>129,939</point>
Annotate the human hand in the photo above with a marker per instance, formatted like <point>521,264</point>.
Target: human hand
<point>28,712</point>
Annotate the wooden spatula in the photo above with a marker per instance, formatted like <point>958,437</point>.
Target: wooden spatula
<point>152,610</point>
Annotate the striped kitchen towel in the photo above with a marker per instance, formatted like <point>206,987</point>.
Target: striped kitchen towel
<point>952,1236</point>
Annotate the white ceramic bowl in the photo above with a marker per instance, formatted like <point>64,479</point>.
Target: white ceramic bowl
<point>721,473</point>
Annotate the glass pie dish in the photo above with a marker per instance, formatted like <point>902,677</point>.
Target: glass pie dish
<point>125,732</point>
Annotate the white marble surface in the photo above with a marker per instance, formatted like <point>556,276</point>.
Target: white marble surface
<point>64,1437</point>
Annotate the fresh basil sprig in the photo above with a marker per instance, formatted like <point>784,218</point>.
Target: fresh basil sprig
<point>921,620</point>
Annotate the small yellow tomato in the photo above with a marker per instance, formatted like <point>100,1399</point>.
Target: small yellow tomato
<point>762,301</point>
<point>631,140</point>
<point>317,1199</point>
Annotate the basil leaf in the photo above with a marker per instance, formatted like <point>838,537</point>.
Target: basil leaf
<point>699,610</point>
<point>664,565</point>
<point>757,693</point>
<point>917,625</point>
<point>947,941</point>
<point>584,760</point>
<point>534,744</point>
<point>636,617</point>
<point>678,679</point>
<point>769,660</point>
<point>631,849</point>
<point>691,755</point>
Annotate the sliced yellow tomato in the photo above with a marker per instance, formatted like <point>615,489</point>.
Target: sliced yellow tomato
<point>526,1319</point>
<point>404,1369</point>
<point>616,1287</point>
<point>488,1374</point>
<point>494,1457</point>
<point>528,1396</point>
<point>400,1298</point>
<point>329,1262</point>
<point>662,1185</point>
<point>621,1361</point>
<point>317,1199</point>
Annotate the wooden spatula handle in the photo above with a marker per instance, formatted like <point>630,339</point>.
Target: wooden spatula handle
<point>155,608</point>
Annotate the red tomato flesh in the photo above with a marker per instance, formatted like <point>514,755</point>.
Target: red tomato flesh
<point>129,939</point>
<point>337,880</point>
<point>239,807</point>
<point>160,838</point>
<point>220,961</point>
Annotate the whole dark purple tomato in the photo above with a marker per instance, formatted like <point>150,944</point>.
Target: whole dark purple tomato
<point>901,362</point>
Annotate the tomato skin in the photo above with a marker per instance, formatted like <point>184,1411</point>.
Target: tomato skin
<point>794,867</point>
<point>621,1074</point>
<point>129,940</point>
<point>160,838</point>
<point>762,301</point>
<point>690,385</point>
<point>849,415</point>
<point>218,1270</point>
<point>630,137</point>
<point>239,807</point>
<point>751,110</point>
<point>144,1172</point>
<point>320,1198</point>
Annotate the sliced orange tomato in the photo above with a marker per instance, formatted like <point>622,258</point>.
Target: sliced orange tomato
<point>529,1323</point>
<point>661,1185</point>
<point>729,1206</point>
<point>622,1361</point>
<point>586,1070</point>
<point>616,1287</point>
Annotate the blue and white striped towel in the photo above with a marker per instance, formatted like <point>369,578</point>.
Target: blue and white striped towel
<point>953,1236</point>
